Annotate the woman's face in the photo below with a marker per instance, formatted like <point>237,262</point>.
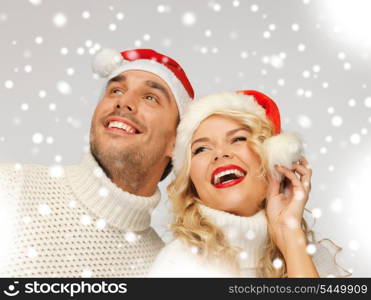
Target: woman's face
<point>224,169</point>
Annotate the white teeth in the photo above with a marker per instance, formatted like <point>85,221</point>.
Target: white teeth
<point>123,126</point>
<point>231,171</point>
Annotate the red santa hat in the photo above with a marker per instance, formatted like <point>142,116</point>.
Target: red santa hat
<point>110,63</point>
<point>282,148</point>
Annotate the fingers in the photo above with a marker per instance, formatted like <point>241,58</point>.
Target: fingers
<point>274,186</point>
<point>302,168</point>
<point>290,175</point>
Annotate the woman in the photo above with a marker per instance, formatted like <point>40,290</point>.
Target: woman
<point>239,195</point>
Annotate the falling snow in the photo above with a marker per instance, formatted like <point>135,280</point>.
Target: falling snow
<point>321,87</point>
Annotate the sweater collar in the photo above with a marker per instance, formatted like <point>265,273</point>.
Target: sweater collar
<point>120,209</point>
<point>247,233</point>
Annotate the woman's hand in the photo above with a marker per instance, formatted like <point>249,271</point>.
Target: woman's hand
<point>285,208</point>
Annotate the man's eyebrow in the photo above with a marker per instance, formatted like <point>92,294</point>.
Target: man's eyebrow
<point>160,87</point>
<point>229,133</point>
<point>118,78</point>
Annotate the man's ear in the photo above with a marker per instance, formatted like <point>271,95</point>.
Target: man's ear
<point>169,150</point>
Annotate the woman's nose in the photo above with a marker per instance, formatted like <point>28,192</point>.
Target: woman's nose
<point>225,155</point>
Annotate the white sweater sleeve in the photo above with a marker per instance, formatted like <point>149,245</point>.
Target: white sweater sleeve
<point>177,259</point>
<point>325,260</point>
<point>170,261</point>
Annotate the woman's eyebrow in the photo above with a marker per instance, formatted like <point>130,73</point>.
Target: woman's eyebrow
<point>233,131</point>
<point>229,133</point>
<point>203,139</point>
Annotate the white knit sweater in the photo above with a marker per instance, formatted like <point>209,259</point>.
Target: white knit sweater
<point>249,234</point>
<point>72,222</point>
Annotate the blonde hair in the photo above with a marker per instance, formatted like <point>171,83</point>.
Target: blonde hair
<point>190,226</point>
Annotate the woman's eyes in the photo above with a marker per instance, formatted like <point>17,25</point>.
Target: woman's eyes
<point>239,138</point>
<point>199,150</point>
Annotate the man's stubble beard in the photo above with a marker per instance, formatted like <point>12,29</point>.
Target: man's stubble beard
<point>129,163</point>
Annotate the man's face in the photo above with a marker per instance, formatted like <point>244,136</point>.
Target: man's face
<point>134,125</point>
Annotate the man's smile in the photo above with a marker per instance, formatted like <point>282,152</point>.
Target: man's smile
<point>121,126</point>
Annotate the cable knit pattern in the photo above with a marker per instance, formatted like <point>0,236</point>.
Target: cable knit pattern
<point>247,233</point>
<point>177,259</point>
<point>72,222</point>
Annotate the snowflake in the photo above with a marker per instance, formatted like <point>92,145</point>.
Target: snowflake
<point>368,102</point>
<point>254,8</point>
<point>100,224</point>
<point>27,68</point>
<point>317,213</point>
<point>295,27</point>
<point>31,252</point>
<point>250,234</point>
<point>311,249</point>
<point>337,205</point>
<point>37,138</point>
<point>112,27</point>
<point>9,84</point>
<point>188,19</point>
<point>304,121</point>
<point>277,263</point>
<point>103,192</point>
<point>301,47</point>
<point>44,209</point>
<point>60,20</point>
<point>39,40</point>
<point>85,14</point>
<point>354,245</point>
<point>86,273</point>
<point>355,138</point>
<point>131,237</point>
<point>85,220</point>
<point>347,66</point>
<point>337,121</point>
<point>35,2</point>
<point>72,204</point>
<point>63,87</point>
<point>52,106</point>
<point>120,16</point>
<point>243,255</point>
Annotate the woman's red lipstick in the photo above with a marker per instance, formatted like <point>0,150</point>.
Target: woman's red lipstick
<point>231,182</point>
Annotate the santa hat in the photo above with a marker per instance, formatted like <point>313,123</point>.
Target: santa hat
<point>110,63</point>
<point>281,148</point>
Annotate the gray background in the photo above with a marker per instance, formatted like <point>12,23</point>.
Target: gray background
<point>312,57</point>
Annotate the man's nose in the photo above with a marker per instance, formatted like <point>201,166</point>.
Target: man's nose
<point>128,102</point>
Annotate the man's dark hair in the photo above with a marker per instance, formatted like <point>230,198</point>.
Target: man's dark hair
<point>167,170</point>
<point>169,166</point>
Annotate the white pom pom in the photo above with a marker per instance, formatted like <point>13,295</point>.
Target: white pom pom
<point>283,149</point>
<point>106,61</point>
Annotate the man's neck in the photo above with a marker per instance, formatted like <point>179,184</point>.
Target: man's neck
<point>141,184</point>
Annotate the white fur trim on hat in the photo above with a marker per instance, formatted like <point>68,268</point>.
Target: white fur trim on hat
<point>107,65</point>
<point>106,61</point>
<point>282,149</point>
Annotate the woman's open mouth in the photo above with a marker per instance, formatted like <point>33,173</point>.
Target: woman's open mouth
<point>227,176</point>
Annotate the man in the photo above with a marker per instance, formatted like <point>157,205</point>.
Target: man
<point>93,218</point>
